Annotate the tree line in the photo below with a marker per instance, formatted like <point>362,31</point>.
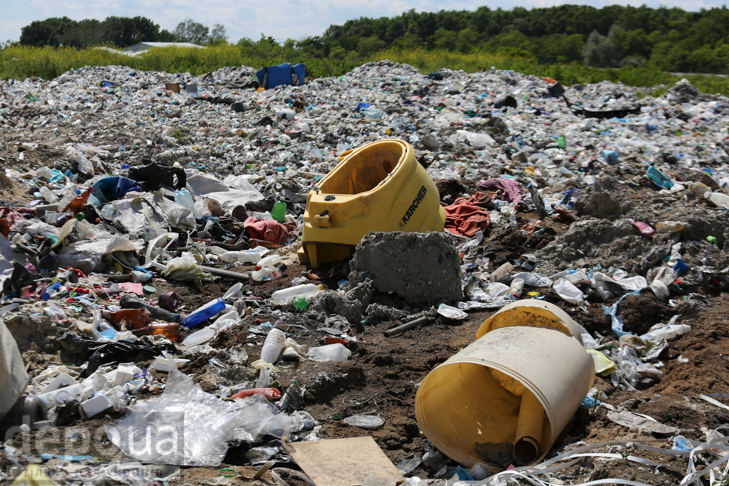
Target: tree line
<point>116,31</point>
<point>668,39</point>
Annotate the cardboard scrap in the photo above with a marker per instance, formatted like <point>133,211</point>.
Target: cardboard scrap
<point>343,462</point>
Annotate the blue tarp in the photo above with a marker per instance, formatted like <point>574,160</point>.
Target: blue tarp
<point>272,76</point>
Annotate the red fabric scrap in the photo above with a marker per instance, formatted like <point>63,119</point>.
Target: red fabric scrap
<point>10,216</point>
<point>468,215</point>
<point>269,230</point>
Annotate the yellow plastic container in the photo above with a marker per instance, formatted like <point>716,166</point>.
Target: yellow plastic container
<point>534,313</point>
<point>377,187</point>
<point>511,392</point>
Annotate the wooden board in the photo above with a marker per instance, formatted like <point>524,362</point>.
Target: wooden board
<point>343,462</point>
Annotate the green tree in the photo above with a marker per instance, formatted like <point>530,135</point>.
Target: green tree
<point>191,31</point>
<point>46,32</point>
<point>218,35</point>
<point>445,39</point>
<point>126,31</point>
<point>370,45</point>
<point>467,40</point>
<point>599,51</point>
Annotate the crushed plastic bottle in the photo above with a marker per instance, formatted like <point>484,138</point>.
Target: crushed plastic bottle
<point>286,296</point>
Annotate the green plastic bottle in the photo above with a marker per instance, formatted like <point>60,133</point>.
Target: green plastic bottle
<point>560,142</point>
<point>279,211</point>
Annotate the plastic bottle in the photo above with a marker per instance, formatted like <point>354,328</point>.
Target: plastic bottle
<point>517,285</point>
<point>246,256</point>
<point>129,302</point>
<point>85,166</point>
<point>669,331</point>
<point>568,292</point>
<point>184,198</point>
<point>204,313</point>
<point>273,346</point>
<point>669,227</point>
<point>603,290</point>
<point>279,211</point>
<point>268,273</point>
<point>644,228</point>
<point>55,313</point>
<point>660,290</point>
<point>48,195</point>
<point>286,296</point>
<point>269,261</point>
<point>717,199</point>
<point>45,172</point>
<point>78,202</point>
<point>51,291</point>
<point>501,272</point>
<point>170,331</point>
<point>534,279</point>
<point>109,212</point>
<point>626,361</point>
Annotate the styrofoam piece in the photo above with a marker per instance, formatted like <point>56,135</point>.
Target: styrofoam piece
<point>63,395</point>
<point>63,379</point>
<point>163,364</point>
<point>96,405</point>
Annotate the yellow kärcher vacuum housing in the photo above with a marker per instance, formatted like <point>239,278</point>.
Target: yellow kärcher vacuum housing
<point>377,187</point>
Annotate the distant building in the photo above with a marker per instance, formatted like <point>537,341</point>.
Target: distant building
<point>143,46</point>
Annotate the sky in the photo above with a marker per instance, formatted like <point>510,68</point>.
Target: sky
<point>281,19</point>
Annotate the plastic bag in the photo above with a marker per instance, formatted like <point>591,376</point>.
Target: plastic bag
<point>186,426</point>
<point>185,267</point>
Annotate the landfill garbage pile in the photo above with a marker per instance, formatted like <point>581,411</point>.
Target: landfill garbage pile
<point>160,321</point>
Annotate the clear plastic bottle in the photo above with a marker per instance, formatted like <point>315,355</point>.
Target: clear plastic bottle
<point>48,195</point>
<point>669,227</point>
<point>626,361</point>
<point>184,198</point>
<point>717,199</point>
<point>85,166</point>
<point>517,285</point>
<point>603,290</point>
<point>109,212</point>
<point>45,172</point>
<point>501,272</point>
<point>273,346</point>
<point>286,296</point>
<point>269,261</point>
<point>669,331</point>
<point>246,256</point>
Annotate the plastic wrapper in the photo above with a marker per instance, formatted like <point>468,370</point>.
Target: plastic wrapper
<point>185,267</point>
<point>186,426</point>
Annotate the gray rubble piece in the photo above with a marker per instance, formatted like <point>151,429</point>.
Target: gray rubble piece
<point>421,268</point>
